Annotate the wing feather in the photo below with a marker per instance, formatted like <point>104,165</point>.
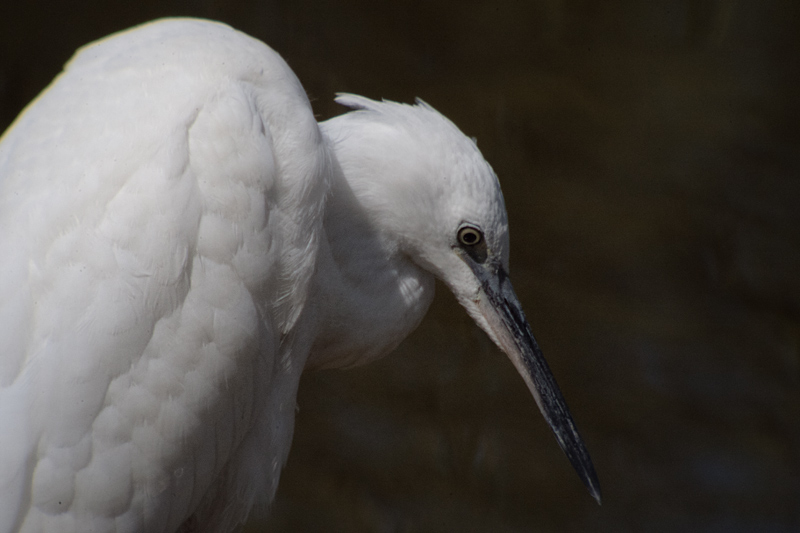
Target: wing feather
<point>159,209</point>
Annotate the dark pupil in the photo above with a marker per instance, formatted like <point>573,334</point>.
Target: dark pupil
<point>469,237</point>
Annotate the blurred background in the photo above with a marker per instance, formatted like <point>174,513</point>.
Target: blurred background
<point>650,156</point>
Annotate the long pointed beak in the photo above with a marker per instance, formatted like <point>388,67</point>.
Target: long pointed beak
<point>499,306</point>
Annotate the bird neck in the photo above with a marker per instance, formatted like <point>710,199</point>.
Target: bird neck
<point>370,295</point>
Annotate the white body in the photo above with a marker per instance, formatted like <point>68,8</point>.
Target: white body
<point>161,210</point>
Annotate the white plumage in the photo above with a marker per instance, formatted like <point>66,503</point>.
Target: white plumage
<point>179,239</point>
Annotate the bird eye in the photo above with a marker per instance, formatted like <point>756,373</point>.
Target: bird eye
<point>469,236</point>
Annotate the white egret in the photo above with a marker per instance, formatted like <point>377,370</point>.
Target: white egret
<point>180,239</point>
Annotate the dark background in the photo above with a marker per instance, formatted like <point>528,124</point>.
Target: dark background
<point>649,153</point>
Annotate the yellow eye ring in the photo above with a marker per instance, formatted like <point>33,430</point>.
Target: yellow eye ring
<point>469,236</point>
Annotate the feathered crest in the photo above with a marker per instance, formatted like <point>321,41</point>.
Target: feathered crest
<point>413,116</point>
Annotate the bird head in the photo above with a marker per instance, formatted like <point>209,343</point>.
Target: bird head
<point>432,193</point>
